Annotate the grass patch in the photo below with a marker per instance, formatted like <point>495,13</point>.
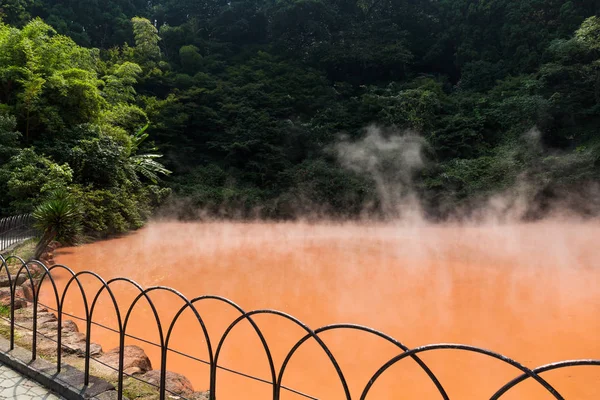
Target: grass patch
<point>4,311</point>
<point>19,340</point>
<point>5,331</point>
<point>134,389</point>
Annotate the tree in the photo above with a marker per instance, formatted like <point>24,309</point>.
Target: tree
<point>80,132</point>
<point>15,12</point>
<point>190,58</point>
<point>119,84</point>
<point>589,33</point>
<point>50,83</point>
<point>9,138</point>
<point>146,39</point>
<point>28,177</point>
<point>91,23</point>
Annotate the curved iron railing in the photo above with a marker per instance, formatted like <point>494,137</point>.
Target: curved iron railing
<point>214,348</point>
<point>15,229</point>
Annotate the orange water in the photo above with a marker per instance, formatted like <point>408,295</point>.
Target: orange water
<point>528,291</point>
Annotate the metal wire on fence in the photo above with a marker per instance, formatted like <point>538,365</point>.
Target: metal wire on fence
<point>214,348</point>
<point>15,229</point>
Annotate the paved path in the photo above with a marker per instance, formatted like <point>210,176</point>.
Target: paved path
<point>15,386</point>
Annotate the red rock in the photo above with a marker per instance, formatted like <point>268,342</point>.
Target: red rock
<point>134,357</point>
<point>20,300</point>
<point>175,383</point>
<point>28,291</point>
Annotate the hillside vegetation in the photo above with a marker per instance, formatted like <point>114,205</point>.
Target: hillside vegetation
<point>249,101</point>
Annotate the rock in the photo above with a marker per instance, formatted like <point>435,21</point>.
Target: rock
<point>74,343</point>
<point>4,283</point>
<point>47,260</point>
<point>36,269</point>
<point>133,371</point>
<point>20,300</point>
<point>48,326</point>
<point>69,326</point>
<point>175,383</point>
<point>54,245</point>
<point>45,317</point>
<point>28,290</point>
<point>134,357</point>
<point>47,256</point>
<point>95,349</point>
<point>200,395</point>
<point>46,346</point>
<point>25,316</point>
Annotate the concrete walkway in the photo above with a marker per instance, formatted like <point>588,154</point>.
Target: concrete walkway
<point>15,386</point>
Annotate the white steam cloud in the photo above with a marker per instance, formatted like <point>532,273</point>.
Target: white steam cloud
<point>391,159</point>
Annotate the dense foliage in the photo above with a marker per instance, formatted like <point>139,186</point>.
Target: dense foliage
<point>248,98</point>
<point>69,122</point>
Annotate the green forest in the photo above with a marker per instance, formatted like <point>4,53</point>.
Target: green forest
<point>236,107</point>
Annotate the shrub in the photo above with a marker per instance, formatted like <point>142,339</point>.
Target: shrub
<point>58,218</point>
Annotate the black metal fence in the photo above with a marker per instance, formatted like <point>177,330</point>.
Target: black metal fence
<point>15,229</point>
<point>214,348</point>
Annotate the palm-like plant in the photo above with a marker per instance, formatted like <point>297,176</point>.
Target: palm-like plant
<point>146,164</point>
<point>58,218</point>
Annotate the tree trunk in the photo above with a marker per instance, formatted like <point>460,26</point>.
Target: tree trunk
<point>45,240</point>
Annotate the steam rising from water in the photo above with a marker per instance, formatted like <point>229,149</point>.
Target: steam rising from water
<point>521,180</point>
<point>392,161</point>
